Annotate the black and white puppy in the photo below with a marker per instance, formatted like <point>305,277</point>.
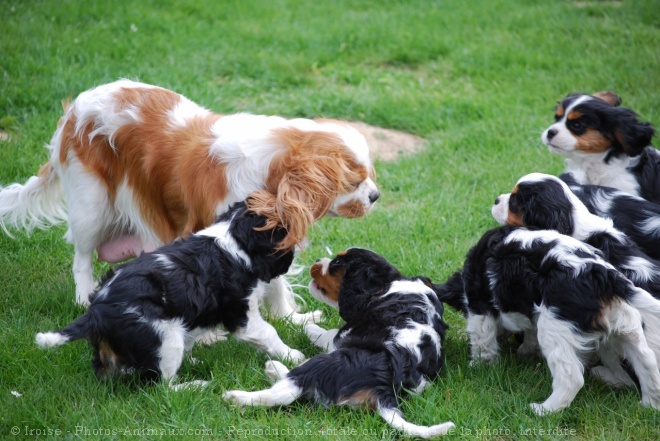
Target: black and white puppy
<point>146,314</point>
<point>391,342</point>
<point>605,144</point>
<point>638,218</point>
<point>561,290</point>
<point>544,201</point>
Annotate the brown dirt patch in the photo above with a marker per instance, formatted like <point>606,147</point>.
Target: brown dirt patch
<point>388,144</point>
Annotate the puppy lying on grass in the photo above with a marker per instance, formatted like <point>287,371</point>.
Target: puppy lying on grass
<point>391,342</point>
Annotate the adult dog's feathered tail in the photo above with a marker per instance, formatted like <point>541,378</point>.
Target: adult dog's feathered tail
<point>39,203</point>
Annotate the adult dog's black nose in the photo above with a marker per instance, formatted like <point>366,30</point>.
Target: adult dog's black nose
<point>373,196</point>
<point>551,133</point>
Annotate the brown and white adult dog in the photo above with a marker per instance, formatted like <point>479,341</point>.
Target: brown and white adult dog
<point>133,166</point>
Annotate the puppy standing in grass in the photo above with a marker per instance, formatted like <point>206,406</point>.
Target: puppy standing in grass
<point>562,293</point>
<point>391,342</point>
<point>544,201</point>
<point>147,313</point>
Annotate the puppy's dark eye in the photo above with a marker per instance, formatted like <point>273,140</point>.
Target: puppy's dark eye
<point>557,117</point>
<point>575,125</point>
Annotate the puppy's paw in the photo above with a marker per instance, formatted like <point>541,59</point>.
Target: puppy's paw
<point>212,337</point>
<point>650,400</point>
<point>540,409</point>
<point>83,301</point>
<point>314,332</point>
<point>527,349</point>
<point>190,385</point>
<point>296,356</point>
<point>308,317</point>
<point>239,397</point>
<point>489,361</point>
<point>611,378</point>
<point>275,371</point>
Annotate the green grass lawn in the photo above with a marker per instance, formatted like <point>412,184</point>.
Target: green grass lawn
<point>478,79</point>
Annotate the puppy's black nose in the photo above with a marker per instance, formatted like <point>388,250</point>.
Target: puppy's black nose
<point>497,201</point>
<point>551,133</point>
<point>373,196</point>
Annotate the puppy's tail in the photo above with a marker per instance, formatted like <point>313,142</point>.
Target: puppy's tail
<point>80,328</point>
<point>452,292</point>
<point>39,203</point>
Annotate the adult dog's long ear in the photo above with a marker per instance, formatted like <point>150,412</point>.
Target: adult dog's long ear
<point>303,183</point>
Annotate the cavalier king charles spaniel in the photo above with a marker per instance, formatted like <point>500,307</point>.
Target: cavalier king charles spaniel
<point>565,297</point>
<point>544,201</point>
<point>605,144</point>
<point>391,342</point>
<point>134,166</point>
<point>146,314</point>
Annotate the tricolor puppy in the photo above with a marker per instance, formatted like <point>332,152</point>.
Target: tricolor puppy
<point>560,290</point>
<point>605,144</point>
<point>134,166</point>
<point>146,314</point>
<point>546,202</point>
<point>391,342</point>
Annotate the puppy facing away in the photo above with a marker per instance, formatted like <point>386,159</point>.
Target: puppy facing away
<point>605,144</point>
<point>391,342</point>
<point>133,166</point>
<point>561,291</point>
<point>146,314</point>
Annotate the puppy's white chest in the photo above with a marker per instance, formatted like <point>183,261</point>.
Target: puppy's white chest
<point>613,174</point>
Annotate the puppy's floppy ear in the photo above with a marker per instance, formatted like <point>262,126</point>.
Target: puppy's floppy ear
<point>303,183</point>
<point>632,134</point>
<point>549,217</point>
<point>610,98</point>
<point>426,281</point>
<point>259,246</point>
<point>545,207</point>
